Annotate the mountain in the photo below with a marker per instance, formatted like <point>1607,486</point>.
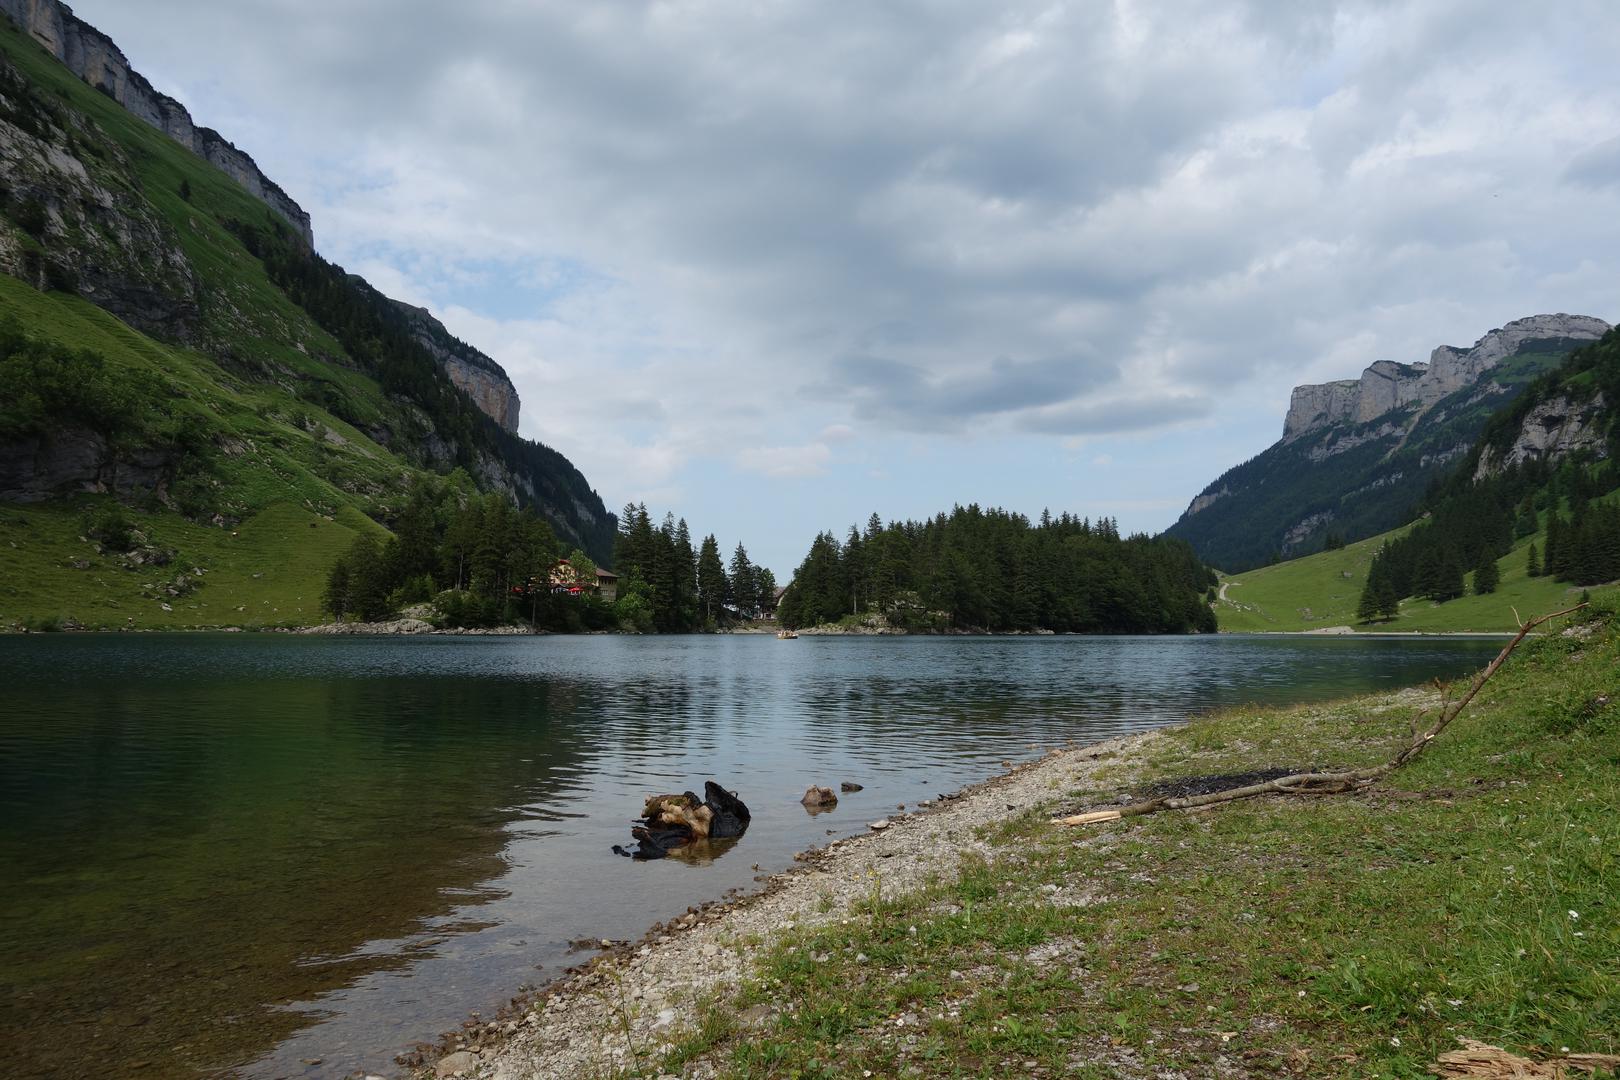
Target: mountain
<point>1356,455</point>
<point>172,337</point>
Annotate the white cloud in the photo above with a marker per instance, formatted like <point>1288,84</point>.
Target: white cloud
<point>785,461</point>
<point>688,228</point>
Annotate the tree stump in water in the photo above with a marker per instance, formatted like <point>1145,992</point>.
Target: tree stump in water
<point>669,823</point>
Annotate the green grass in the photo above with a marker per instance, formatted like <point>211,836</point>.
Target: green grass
<point>1472,895</point>
<point>1323,590</point>
<point>269,571</point>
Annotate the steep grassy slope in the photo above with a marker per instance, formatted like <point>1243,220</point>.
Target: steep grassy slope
<point>1322,591</point>
<point>122,260</point>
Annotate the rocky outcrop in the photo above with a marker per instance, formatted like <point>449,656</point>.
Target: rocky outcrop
<point>1206,500</point>
<point>1386,385</point>
<point>1335,443</point>
<point>91,231</point>
<point>94,57</point>
<point>1553,429</point>
<point>475,374</point>
<point>72,461</point>
<point>1316,406</point>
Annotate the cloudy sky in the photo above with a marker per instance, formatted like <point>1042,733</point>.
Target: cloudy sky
<point>779,265</point>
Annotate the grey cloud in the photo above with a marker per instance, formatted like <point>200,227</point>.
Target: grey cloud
<point>1008,204</point>
<point>1597,166</point>
<point>890,390</point>
<point>1117,417</point>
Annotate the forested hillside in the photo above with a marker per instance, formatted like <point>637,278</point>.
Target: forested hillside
<point>1521,522</point>
<point>977,569</point>
<point>168,340</point>
<point>1348,467</point>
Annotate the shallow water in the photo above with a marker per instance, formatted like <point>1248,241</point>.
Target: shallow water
<point>241,854</point>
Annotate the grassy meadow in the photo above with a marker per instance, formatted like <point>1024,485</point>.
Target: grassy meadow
<point>1322,591</point>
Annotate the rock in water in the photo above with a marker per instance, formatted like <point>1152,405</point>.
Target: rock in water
<point>820,796</point>
<point>849,786</point>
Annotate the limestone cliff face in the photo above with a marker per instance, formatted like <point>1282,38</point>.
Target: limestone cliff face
<point>481,378</point>
<point>94,57</point>
<point>1553,429</point>
<point>1386,385</point>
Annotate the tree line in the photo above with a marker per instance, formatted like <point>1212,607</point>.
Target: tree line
<point>1470,525</point>
<point>482,561</point>
<point>668,586</point>
<point>995,570</point>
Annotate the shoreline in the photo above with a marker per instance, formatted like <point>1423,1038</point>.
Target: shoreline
<point>606,1014</point>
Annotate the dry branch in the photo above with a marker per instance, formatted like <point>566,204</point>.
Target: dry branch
<point>1485,1062</point>
<point>1333,783</point>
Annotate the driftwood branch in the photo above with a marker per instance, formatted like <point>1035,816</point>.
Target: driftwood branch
<point>1330,783</point>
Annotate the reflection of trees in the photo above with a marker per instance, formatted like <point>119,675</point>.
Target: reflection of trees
<point>181,857</point>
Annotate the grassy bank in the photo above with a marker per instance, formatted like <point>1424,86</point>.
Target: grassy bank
<point>1472,894</point>
<point>1323,590</point>
<point>269,571</point>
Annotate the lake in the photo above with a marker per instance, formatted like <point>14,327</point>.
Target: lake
<point>244,854</point>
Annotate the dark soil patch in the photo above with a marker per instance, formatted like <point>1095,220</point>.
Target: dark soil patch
<point>1183,786</point>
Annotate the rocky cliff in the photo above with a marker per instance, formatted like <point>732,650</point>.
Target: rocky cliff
<point>1357,454</point>
<point>481,378</point>
<point>1386,385</point>
<point>93,56</point>
<point>1555,428</point>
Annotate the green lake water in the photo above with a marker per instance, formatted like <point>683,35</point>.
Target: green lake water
<point>241,854</point>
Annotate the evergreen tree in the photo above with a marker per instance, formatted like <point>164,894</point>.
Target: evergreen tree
<point>744,588</point>
<point>711,579</point>
<point>1369,608</point>
<point>1533,563</point>
<point>1486,576</point>
<point>1555,557</point>
<point>336,598</point>
<point>1389,601</point>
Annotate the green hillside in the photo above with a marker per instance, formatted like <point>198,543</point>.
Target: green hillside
<point>1321,591</point>
<point>167,340</point>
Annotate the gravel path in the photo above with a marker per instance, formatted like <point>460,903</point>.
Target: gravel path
<point>643,995</point>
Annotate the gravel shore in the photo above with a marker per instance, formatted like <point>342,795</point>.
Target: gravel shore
<point>623,1007</point>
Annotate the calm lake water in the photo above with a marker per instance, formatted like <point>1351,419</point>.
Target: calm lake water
<point>238,854</point>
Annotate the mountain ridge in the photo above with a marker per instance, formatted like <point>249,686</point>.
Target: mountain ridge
<point>1357,454</point>
<point>97,59</point>
<point>250,371</point>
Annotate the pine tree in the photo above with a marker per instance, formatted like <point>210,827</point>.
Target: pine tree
<point>1369,608</point>
<point>1486,576</point>
<point>1533,563</point>
<point>744,589</point>
<point>711,579</point>
<point>1555,557</point>
<point>1389,601</point>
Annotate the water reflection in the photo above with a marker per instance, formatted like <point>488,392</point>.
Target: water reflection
<point>227,852</point>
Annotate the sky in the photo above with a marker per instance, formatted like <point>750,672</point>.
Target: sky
<point>776,266</point>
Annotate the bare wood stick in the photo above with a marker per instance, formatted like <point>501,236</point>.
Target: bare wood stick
<point>1334,783</point>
